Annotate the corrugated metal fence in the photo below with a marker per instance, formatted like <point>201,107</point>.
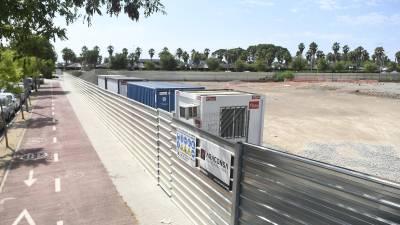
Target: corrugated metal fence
<point>269,186</point>
<point>150,135</point>
<point>280,188</point>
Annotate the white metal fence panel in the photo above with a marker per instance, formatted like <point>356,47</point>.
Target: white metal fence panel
<point>150,135</point>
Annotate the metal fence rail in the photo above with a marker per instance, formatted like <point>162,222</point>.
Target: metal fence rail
<point>279,188</point>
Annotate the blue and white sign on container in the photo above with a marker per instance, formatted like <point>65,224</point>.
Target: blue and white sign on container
<point>186,148</point>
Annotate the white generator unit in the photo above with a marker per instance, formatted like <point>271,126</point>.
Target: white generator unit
<point>233,115</point>
<point>116,83</point>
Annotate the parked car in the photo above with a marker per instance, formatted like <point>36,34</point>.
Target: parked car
<point>7,107</point>
<point>14,103</point>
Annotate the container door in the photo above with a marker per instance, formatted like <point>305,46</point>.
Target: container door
<point>163,100</point>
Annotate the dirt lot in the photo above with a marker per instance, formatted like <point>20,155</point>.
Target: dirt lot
<point>356,126</point>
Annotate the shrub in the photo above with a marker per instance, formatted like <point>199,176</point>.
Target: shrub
<point>392,66</point>
<point>240,65</point>
<point>213,64</point>
<point>370,67</point>
<point>149,65</point>
<point>338,67</point>
<point>322,65</point>
<point>285,75</point>
<point>299,63</point>
<point>119,61</point>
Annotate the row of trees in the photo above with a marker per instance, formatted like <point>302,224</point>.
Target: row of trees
<point>261,57</point>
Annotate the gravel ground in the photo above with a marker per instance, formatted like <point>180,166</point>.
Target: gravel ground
<point>351,125</point>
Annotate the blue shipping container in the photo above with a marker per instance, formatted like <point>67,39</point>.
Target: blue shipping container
<point>157,94</point>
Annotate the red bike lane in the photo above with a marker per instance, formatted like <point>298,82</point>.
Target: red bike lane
<point>56,176</point>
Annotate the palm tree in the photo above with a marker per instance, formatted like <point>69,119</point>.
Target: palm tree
<point>313,50</point>
<point>397,57</point>
<point>151,53</point>
<point>346,50</point>
<point>336,48</point>
<point>131,60</point>
<point>179,53</point>
<point>125,52</point>
<point>301,49</point>
<point>380,53</point>
<point>110,50</point>
<point>138,52</point>
<point>185,56</point>
<point>320,54</point>
<point>206,53</point>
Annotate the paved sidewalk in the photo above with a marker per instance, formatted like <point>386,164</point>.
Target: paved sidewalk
<point>57,177</point>
<point>140,191</point>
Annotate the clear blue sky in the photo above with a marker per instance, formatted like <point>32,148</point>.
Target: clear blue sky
<point>239,23</point>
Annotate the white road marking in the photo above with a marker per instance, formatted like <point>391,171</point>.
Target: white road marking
<point>6,199</point>
<point>30,181</point>
<point>54,139</point>
<point>53,108</point>
<point>52,104</point>
<point>24,214</point>
<point>54,128</point>
<point>60,222</point>
<point>57,184</point>
<point>55,157</point>
<point>52,113</point>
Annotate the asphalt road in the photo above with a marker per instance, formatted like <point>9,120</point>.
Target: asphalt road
<point>56,176</point>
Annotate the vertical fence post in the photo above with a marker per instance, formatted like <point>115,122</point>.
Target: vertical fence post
<point>237,174</point>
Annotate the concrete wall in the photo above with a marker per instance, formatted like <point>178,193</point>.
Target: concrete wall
<point>389,77</point>
<point>91,76</point>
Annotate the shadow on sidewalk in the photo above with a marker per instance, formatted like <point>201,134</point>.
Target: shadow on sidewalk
<point>29,157</point>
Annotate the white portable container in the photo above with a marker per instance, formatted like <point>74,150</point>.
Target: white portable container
<point>233,115</point>
<point>116,83</point>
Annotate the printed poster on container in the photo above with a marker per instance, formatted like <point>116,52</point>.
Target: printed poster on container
<point>216,161</point>
<point>186,148</point>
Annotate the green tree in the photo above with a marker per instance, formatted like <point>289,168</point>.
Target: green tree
<point>119,61</point>
<point>301,49</point>
<point>149,65</point>
<point>259,66</point>
<point>138,52</point>
<point>322,64</point>
<point>10,69</point>
<point>299,63</point>
<point>380,53</point>
<point>68,55</point>
<point>167,61</point>
<point>21,18</point>
<point>346,50</point>
<point>110,50</point>
<point>206,53</point>
<point>397,56</point>
<point>338,66</point>
<point>125,52</point>
<point>320,54</point>
<point>240,65</point>
<point>392,66</point>
<point>131,60</point>
<point>179,53</point>
<point>370,67</point>
<point>185,57</point>
<point>219,54</point>
<point>213,64</point>
<point>336,48</point>
<point>313,50</point>
<point>151,53</point>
